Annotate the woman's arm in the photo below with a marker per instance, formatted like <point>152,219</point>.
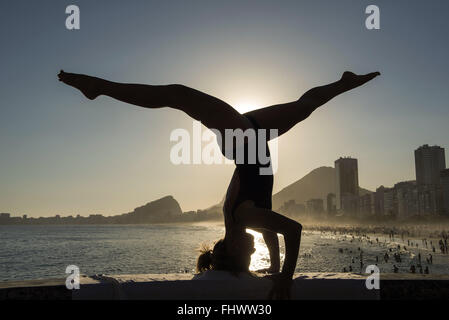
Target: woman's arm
<point>254,217</point>
<point>272,242</point>
<point>259,218</point>
<point>270,237</point>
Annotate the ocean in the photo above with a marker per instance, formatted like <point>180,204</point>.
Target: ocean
<point>39,252</point>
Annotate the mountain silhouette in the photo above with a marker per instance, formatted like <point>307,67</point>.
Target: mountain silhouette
<point>317,184</point>
<point>162,210</point>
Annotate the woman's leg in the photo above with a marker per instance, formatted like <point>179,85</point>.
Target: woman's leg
<point>283,117</point>
<point>212,112</point>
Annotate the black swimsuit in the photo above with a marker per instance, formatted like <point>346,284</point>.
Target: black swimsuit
<point>255,186</point>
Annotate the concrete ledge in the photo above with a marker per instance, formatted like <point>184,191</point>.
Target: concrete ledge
<point>222,286</point>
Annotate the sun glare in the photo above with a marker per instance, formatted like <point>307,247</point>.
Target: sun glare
<point>243,107</point>
<point>261,258</point>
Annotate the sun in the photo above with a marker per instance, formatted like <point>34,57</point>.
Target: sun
<point>246,106</point>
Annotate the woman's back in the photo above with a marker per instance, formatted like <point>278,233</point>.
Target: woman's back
<point>255,179</point>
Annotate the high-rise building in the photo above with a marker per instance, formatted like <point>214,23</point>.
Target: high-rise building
<point>366,205</point>
<point>292,209</point>
<point>379,199</point>
<point>347,188</point>
<point>407,199</point>
<point>401,201</point>
<point>429,162</point>
<point>428,196</point>
<point>444,175</point>
<point>5,218</point>
<point>390,202</point>
<point>315,207</point>
<point>331,205</point>
<point>385,202</point>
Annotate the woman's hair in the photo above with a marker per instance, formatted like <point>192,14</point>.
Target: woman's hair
<point>209,259</point>
<point>204,261</point>
<point>217,259</point>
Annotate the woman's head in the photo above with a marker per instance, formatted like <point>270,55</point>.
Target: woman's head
<point>230,254</point>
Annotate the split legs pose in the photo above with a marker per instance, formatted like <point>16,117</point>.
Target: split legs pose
<point>213,112</point>
<point>216,114</point>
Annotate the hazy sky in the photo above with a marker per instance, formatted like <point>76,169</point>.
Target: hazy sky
<point>62,154</point>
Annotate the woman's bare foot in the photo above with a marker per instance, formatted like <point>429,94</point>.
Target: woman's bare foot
<point>353,80</point>
<point>86,84</point>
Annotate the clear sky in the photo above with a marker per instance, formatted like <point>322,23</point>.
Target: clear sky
<point>62,154</point>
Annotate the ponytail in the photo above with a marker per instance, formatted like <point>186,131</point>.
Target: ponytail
<point>204,261</point>
<point>214,259</point>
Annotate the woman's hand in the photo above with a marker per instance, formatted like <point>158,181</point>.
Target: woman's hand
<point>282,286</point>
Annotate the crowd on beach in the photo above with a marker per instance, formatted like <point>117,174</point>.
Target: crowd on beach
<point>399,243</point>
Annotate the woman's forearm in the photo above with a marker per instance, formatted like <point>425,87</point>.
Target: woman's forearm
<point>272,242</point>
<point>292,241</point>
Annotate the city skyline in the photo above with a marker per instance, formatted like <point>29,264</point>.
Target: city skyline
<point>62,154</point>
<point>347,199</point>
<point>428,194</point>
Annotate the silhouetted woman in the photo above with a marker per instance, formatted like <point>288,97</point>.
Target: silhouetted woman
<point>248,199</point>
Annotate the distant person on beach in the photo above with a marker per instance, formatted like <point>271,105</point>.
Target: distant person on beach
<point>248,199</point>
